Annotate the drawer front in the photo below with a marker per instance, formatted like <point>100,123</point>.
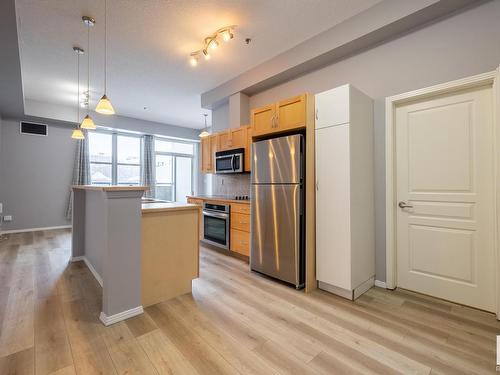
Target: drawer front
<point>241,208</point>
<point>240,221</point>
<point>240,242</point>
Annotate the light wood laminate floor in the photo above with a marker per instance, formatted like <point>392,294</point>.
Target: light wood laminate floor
<point>235,322</point>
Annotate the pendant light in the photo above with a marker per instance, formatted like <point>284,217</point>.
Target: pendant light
<point>87,122</point>
<point>205,132</point>
<point>104,106</point>
<point>77,132</point>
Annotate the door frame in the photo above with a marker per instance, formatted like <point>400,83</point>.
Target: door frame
<point>490,78</point>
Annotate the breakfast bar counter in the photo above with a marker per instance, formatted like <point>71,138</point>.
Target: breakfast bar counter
<point>140,253</point>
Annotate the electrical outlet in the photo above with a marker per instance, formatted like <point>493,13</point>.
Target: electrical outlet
<point>7,218</point>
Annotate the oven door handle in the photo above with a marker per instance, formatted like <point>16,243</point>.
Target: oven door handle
<point>214,214</point>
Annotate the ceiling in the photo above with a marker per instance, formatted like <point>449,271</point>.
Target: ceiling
<point>149,42</point>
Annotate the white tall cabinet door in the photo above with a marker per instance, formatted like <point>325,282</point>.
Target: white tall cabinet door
<point>445,172</point>
<point>333,107</point>
<point>333,237</point>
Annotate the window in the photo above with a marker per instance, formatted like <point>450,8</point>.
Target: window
<point>174,169</point>
<point>128,160</point>
<point>101,158</point>
<point>115,159</point>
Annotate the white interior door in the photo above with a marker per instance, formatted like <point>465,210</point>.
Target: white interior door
<point>445,174</point>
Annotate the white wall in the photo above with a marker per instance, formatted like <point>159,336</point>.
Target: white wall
<point>459,46</point>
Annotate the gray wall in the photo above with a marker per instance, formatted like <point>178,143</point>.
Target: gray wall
<point>35,175</point>
<point>220,117</point>
<point>459,46</point>
<point>36,172</point>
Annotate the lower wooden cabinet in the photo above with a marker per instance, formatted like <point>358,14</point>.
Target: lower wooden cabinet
<point>240,228</point>
<point>240,242</point>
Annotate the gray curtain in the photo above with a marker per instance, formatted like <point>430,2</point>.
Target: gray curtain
<point>147,177</point>
<point>81,170</point>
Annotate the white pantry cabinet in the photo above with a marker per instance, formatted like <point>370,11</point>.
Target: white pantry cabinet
<point>345,219</point>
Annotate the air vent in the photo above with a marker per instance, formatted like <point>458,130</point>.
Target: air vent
<point>33,129</point>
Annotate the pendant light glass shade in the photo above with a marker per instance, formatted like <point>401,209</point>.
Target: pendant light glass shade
<point>205,132</point>
<point>104,106</point>
<point>88,123</point>
<point>77,134</point>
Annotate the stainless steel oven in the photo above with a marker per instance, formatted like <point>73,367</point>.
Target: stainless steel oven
<point>230,161</point>
<point>216,224</point>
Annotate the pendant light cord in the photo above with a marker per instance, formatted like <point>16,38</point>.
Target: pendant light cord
<point>78,93</point>
<point>105,45</point>
<point>88,69</point>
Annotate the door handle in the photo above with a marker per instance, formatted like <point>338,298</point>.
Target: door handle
<point>404,205</point>
<point>316,114</point>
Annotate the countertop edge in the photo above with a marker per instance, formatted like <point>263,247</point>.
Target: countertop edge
<point>166,207</point>
<point>110,188</point>
<point>217,199</point>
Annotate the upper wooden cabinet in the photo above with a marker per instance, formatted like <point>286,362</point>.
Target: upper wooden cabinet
<point>233,138</point>
<point>279,117</point>
<point>208,148</point>
<point>263,119</point>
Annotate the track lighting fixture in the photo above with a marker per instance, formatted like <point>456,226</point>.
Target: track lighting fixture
<point>211,43</point>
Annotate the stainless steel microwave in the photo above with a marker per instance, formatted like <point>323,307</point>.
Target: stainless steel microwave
<point>230,161</point>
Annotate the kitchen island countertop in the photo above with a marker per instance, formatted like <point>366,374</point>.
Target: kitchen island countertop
<point>168,206</point>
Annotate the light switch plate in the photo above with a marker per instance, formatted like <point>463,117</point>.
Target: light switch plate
<point>7,218</point>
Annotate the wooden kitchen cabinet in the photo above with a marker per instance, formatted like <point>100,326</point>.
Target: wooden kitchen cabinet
<point>224,141</point>
<point>240,242</point>
<point>240,228</point>
<point>263,119</point>
<point>232,138</point>
<point>208,148</point>
<point>248,149</point>
<point>291,113</point>
<point>279,117</point>
<point>240,221</point>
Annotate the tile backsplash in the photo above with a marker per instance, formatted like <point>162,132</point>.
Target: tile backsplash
<point>236,184</point>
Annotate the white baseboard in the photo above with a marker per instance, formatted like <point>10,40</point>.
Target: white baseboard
<point>363,287</point>
<point>34,229</point>
<point>380,284</point>
<point>90,267</point>
<point>108,320</point>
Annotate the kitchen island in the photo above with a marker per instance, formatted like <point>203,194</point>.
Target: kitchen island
<point>141,254</point>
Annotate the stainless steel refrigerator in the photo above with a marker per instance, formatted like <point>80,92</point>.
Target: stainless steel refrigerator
<point>277,200</point>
